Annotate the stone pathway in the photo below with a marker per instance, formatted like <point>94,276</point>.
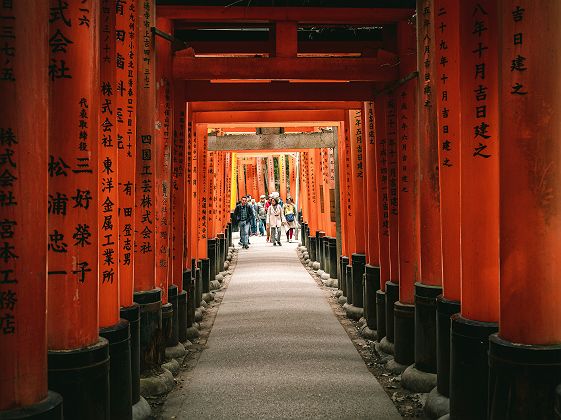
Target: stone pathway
<point>276,350</point>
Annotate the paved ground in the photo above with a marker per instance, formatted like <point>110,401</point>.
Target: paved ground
<point>276,350</point>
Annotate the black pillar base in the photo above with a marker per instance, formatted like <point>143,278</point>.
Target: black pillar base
<point>182,317</point>
<point>173,338</point>
<point>81,377</point>
<point>120,391</point>
<point>332,247</point>
<point>404,339</point>
<point>343,262</point>
<point>208,265</point>
<point>358,261</point>
<point>132,314</point>
<point>304,237</point>
<point>425,326</point>
<point>312,248</point>
<point>150,328</point>
<point>198,287</point>
<point>325,254</point>
<point>220,255</point>
<point>189,287</point>
<point>380,314</point>
<point>392,296</point>
<point>167,326</point>
<point>319,246</point>
<point>444,310</point>
<point>469,367</point>
<point>205,275</point>
<point>371,284</point>
<point>349,281</point>
<point>522,380</point>
<point>49,408</point>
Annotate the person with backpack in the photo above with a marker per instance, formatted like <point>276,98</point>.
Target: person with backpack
<point>261,215</point>
<point>289,211</point>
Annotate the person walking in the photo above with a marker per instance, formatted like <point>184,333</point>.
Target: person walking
<point>267,226</point>
<point>289,211</point>
<point>261,215</point>
<point>254,221</point>
<point>243,214</point>
<point>275,219</point>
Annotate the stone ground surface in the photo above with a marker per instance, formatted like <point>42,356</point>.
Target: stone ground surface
<point>277,350</point>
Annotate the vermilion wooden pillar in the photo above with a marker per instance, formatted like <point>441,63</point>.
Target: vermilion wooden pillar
<point>108,173</point>
<point>270,175</point>
<point>357,220</point>
<point>73,310</point>
<point>479,155</point>
<point>114,329</point>
<point>372,268</point>
<point>260,176</point>
<point>282,177</point>
<point>524,356</point>
<point>425,289</point>
<point>392,286</point>
<point>23,281</point>
<point>343,142</point>
<point>124,139</point>
<point>241,180</point>
<point>190,192</point>
<point>178,207</point>
<point>292,177</point>
<point>331,194</point>
<point>303,198</point>
<point>202,195</point>
<point>448,117</point>
<point>381,149</point>
<point>408,219</point>
<point>147,293</point>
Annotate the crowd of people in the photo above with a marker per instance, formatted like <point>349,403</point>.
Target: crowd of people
<point>265,217</point>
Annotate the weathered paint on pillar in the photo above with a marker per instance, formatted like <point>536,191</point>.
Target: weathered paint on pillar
<point>392,155</point>
<point>23,200</point>
<point>431,243</point>
<point>303,199</point>
<point>145,239</point>
<point>322,190</point>
<point>314,201</point>
<point>270,175</point>
<point>344,182</point>
<point>447,81</point>
<point>125,103</point>
<point>73,164</point>
<point>408,195</point>
<point>530,173</point>
<point>383,189</point>
<point>350,210</point>
<point>108,172</point>
<point>479,161</point>
<point>202,202</point>
<point>178,186</point>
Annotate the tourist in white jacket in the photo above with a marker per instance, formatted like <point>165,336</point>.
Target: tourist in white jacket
<point>275,219</point>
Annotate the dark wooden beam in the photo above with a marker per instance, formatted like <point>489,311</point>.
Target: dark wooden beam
<point>316,15</point>
<point>272,106</point>
<point>204,91</point>
<point>281,68</point>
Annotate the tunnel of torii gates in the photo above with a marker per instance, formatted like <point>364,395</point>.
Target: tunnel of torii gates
<point>115,211</point>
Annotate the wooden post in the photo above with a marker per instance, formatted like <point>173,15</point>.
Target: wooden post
<point>73,312</point>
<point>524,355</point>
<point>24,134</point>
<point>479,155</point>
